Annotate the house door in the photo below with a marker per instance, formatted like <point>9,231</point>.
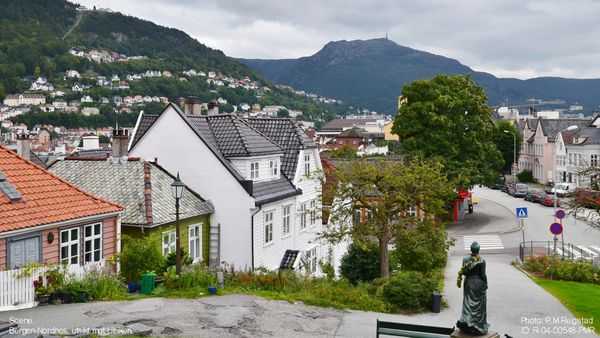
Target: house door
<point>24,251</point>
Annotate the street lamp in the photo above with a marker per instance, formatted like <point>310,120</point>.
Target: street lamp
<point>514,150</point>
<point>176,191</point>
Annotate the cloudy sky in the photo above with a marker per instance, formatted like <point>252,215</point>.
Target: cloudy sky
<point>508,38</point>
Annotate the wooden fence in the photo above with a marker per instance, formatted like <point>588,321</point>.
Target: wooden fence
<point>18,292</point>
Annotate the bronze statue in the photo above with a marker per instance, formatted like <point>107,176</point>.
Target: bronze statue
<point>473,319</point>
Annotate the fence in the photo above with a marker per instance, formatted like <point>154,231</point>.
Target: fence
<point>555,248</point>
<point>17,290</point>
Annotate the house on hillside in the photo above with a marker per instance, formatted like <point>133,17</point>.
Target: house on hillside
<point>144,189</point>
<point>259,174</point>
<point>45,219</point>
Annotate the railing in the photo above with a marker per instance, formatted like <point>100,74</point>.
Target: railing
<point>17,290</point>
<point>555,248</point>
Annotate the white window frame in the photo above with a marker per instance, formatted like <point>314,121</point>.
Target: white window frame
<point>268,227</point>
<point>69,245</point>
<point>286,220</point>
<point>169,247</point>
<point>307,165</point>
<point>92,239</point>
<point>195,239</point>
<point>310,257</point>
<point>313,213</point>
<point>254,170</point>
<point>303,216</point>
<point>273,168</point>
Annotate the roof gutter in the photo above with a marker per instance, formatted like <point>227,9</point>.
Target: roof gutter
<point>58,224</point>
<point>252,233</point>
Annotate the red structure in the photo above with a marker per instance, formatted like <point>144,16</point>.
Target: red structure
<point>459,203</point>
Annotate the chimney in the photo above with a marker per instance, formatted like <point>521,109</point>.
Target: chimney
<point>24,146</point>
<point>91,142</point>
<point>181,102</point>
<point>213,108</point>
<point>192,106</point>
<point>120,140</point>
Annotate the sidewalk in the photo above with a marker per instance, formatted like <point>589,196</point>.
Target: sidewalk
<point>488,217</point>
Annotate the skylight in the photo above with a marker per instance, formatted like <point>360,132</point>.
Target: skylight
<point>8,189</point>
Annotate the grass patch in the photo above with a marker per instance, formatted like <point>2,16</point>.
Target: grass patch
<point>577,297</point>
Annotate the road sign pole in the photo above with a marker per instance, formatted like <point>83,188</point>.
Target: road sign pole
<point>555,239</point>
<point>523,229</point>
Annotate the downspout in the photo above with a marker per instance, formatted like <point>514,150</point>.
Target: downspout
<point>252,233</point>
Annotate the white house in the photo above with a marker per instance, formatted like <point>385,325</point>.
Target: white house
<point>42,84</point>
<point>259,174</point>
<point>582,152</point>
<point>73,73</point>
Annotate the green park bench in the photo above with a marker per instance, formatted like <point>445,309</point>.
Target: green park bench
<point>410,330</point>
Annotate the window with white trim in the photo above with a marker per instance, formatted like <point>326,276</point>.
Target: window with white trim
<point>195,241</point>
<point>273,168</point>
<point>313,212</point>
<point>310,260</point>
<point>286,219</point>
<point>253,170</point>
<point>307,165</point>
<point>92,243</point>
<point>168,242</point>
<point>303,216</point>
<point>268,227</point>
<point>69,246</point>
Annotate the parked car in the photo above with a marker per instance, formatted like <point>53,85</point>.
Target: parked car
<point>497,186</point>
<point>520,190</point>
<point>504,188</point>
<point>530,194</point>
<point>588,198</point>
<point>565,189</point>
<point>510,188</point>
<point>548,200</point>
<point>538,196</point>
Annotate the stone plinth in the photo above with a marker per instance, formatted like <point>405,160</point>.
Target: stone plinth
<point>459,334</point>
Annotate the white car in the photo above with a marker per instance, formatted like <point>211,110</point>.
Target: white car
<point>564,189</point>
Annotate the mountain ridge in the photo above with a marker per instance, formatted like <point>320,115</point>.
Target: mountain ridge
<point>380,67</point>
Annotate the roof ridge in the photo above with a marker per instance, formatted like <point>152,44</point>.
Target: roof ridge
<point>262,134</point>
<point>11,153</point>
<point>240,134</point>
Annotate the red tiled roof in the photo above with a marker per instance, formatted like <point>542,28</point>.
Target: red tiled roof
<point>45,198</point>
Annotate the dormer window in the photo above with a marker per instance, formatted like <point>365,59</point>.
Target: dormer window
<point>273,168</point>
<point>254,170</point>
<point>307,165</point>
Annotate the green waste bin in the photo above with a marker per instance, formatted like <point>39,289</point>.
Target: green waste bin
<point>147,283</point>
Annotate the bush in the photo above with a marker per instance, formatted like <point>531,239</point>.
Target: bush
<point>171,260</point>
<point>557,268</point>
<point>423,247</point>
<point>140,256</point>
<point>361,264</point>
<point>104,286</point>
<point>525,176</point>
<point>191,277</point>
<point>410,291</point>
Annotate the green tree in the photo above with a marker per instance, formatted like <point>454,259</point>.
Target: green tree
<point>423,246</point>
<point>446,118</point>
<point>345,151</point>
<point>384,190</point>
<point>507,138</point>
<point>283,113</point>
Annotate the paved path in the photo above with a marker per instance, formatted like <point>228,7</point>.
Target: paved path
<point>512,299</point>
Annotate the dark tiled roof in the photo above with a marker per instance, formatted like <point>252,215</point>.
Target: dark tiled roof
<point>35,159</point>
<point>591,135</point>
<point>287,134</point>
<point>143,124</point>
<point>267,191</point>
<point>92,153</point>
<point>124,183</point>
<point>234,136</point>
<point>551,127</point>
<point>351,133</point>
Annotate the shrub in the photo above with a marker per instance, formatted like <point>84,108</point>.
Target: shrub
<point>526,176</point>
<point>171,260</point>
<point>191,277</point>
<point>410,291</point>
<point>423,247</point>
<point>140,256</point>
<point>104,286</point>
<point>557,268</point>
<point>361,263</point>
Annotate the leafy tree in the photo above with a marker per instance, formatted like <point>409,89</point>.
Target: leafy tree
<point>344,152</point>
<point>505,137</point>
<point>283,113</point>
<point>384,190</point>
<point>587,198</point>
<point>526,175</point>
<point>446,118</point>
<point>361,262</point>
<point>423,246</point>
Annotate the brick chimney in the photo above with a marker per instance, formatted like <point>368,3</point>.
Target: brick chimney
<point>24,146</point>
<point>120,140</point>
<point>213,108</point>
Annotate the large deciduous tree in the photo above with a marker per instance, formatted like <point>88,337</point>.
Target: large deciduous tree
<point>447,118</point>
<point>368,199</point>
<point>505,137</point>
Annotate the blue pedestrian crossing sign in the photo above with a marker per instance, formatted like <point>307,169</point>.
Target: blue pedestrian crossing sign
<point>521,213</point>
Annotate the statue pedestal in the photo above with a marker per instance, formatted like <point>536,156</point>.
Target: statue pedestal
<point>459,334</point>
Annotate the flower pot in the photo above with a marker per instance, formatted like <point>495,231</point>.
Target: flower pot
<point>66,298</point>
<point>54,298</point>
<point>212,290</point>
<point>132,287</point>
<point>43,299</point>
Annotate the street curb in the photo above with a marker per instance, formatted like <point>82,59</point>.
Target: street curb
<point>518,228</point>
<point>518,267</point>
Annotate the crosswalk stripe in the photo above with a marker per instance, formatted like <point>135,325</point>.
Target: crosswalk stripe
<point>486,242</point>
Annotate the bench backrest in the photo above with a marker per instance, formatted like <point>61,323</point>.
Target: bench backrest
<point>413,327</point>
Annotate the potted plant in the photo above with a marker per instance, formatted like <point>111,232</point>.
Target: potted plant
<point>42,293</point>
